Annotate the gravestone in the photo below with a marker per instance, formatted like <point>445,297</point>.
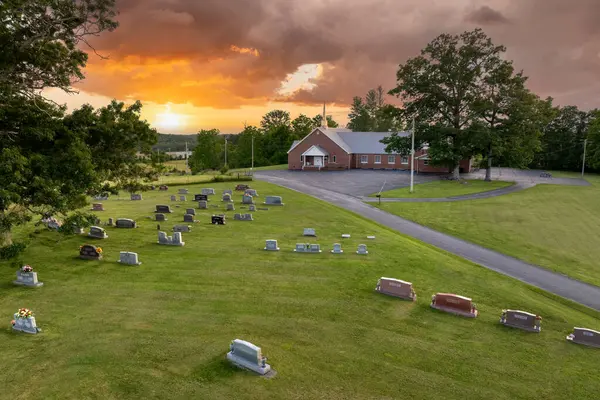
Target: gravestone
<point>97,207</point>
<point>173,197</point>
<point>190,211</point>
<point>271,245</point>
<point>27,278</point>
<point>90,252</point>
<point>182,198</point>
<point>175,240</point>
<point>25,324</point>
<point>182,228</point>
<point>248,356</point>
<point>454,304</point>
<point>183,191</point>
<point>251,192</point>
<point>101,197</point>
<point>243,217</point>
<point>97,232</point>
<point>208,191</point>
<point>228,191</point>
<point>230,207</point>
<point>371,237</point>
<point>160,217</point>
<point>126,223</point>
<point>188,218</point>
<point>110,222</point>
<point>129,258</point>
<point>202,205</point>
<point>362,249</point>
<point>307,248</point>
<point>136,197</point>
<point>345,236</point>
<point>163,209</point>
<point>585,336</point>
<point>251,207</point>
<point>309,232</point>
<point>51,223</point>
<point>77,230</point>
<point>521,320</point>
<point>337,248</point>
<point>273,201</point>
<point>396,288</point>
<point>163,187</point>
<point>247,199</point>
<point>218,220</point>
<point>241,187</point>
<point>227,197</point>
<point>200,197</point>
<point>152,187</point>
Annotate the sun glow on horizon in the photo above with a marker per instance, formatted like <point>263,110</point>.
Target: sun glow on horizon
<point>169,120</point>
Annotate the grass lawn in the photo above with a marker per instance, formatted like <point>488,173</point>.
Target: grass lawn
<point>444,188</point>
<point>549,225</point>
<point>161,330</point>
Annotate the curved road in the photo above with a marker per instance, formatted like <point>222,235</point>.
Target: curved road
<point>552,282</point>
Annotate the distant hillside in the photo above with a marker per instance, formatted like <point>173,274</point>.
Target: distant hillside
<point>174,142</point>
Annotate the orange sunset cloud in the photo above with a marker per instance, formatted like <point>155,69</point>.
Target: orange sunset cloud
<point>219,63</point>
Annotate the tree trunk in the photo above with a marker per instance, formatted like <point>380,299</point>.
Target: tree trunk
<point>456,172</point>
<point>488,170</point>
<point>5,239</point>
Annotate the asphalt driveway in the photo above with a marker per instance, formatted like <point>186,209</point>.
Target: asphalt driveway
<point>353,182</point>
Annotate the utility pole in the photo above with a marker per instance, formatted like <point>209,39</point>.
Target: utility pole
<point>412,157</point>
<point>252,167</point>
<point>583,165</point>
<point>225,151</point>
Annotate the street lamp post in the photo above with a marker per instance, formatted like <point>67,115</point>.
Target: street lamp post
<point>412,157</point>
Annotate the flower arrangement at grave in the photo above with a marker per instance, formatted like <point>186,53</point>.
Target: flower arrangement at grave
<point>26,268</point>
<point>24,313</point>
<point>99,250</point>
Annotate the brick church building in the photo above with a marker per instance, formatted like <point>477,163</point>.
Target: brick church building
<point>339,148</point>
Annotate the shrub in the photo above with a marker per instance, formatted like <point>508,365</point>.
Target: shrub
<point>235,178</point>
<point>224,169</point>
<point>12,250</point>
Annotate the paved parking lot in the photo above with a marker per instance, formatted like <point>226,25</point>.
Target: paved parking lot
<point>353,182</point>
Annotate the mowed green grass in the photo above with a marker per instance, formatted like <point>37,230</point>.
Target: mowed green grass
<point>444,188</point>
<point>549,225</point>
<point>161,330</point>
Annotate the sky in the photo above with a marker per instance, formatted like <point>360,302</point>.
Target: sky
<point>203,64</point>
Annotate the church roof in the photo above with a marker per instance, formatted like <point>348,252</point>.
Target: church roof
<point>354,142</point>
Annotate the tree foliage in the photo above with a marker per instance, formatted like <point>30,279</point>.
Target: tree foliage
<point>373,114</point>
<point>50,161</point>
<point>206,154</point>
<point>440,89</point>
<point>593,149</point>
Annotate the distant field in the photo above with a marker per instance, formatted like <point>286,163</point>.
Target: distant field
<point>161,330</point>
<point>444,188</point>
<point>550,225</point>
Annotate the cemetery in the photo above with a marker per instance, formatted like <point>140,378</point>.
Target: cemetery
<point>324,328</point>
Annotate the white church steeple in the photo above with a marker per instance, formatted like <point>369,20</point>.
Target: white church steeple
<point>324,120</point>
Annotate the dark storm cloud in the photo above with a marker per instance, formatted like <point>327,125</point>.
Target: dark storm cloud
<point>227,53</point>
<point>485,15</point>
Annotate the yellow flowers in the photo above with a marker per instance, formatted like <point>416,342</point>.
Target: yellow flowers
<point>24,313</point>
